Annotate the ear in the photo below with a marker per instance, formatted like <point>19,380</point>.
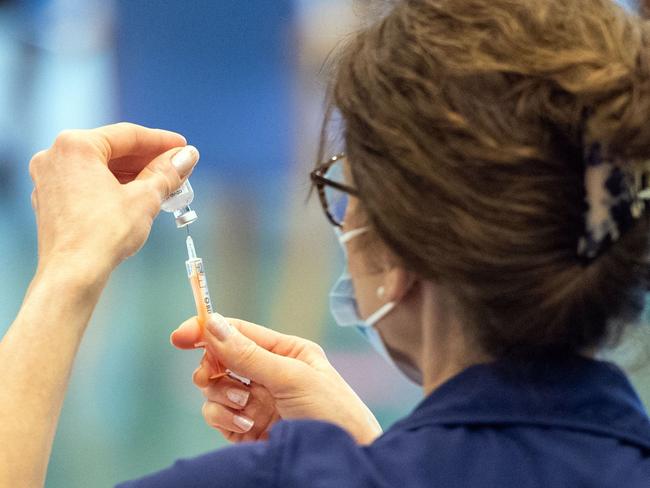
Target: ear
<point>396,283</point>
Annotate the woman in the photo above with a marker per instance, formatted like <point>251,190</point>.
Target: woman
<point>491,207</point>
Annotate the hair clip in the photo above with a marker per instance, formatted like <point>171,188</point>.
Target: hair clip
<point>641,188</point>
<point>615,194</point>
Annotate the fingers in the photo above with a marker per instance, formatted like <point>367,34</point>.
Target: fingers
<point>239,412</point>
<point>164,173</point>
<point>245,357</point>
<point>267,338</point>
<point>253,435</point>
<point>252,351</point>
<point>124,139</point>
<point>278,343</point>
<point>162,176</point>
<point>205,373</point>
<point>187,335</point>
<point>228,402</point>
<point>117,141</point>
<point>257,433</point>
<point>217,415</point>
<point>227,392</point>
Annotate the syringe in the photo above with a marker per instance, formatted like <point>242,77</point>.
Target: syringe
<point>203,303</point>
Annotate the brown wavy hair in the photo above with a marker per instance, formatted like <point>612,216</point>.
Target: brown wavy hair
<point>464,123</point>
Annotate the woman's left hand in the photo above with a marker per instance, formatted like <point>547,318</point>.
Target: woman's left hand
<point>229,404</point>
<point>291,379</point>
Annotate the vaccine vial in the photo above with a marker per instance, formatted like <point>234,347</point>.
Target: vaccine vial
<point>178,203</point>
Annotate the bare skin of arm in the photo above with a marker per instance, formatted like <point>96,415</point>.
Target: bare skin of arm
<point>36,356</point>
<point>120,174</point>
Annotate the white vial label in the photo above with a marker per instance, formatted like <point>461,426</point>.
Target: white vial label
<point>179,198</point>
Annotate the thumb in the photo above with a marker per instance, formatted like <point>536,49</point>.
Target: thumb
<point>164,174</point>
<point>246,358</point>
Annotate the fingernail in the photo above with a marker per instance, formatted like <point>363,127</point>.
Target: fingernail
<point>239,397</point>
<point>244,423</point>
<point>219,326</point>
<point>185,159</point>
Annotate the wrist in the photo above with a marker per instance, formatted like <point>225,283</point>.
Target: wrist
<point>67,290</point>
<point>82,272</point>
<point>367,429</point>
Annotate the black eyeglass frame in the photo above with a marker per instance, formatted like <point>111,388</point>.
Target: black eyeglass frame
<point>320,181</point>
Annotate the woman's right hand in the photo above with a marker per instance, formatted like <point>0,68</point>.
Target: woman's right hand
<point>291,379</point>
<point>96,192</point>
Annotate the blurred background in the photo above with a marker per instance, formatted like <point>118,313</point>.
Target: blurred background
<point>243,81</point>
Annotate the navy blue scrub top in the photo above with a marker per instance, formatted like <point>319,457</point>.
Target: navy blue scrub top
<point>568,422</point>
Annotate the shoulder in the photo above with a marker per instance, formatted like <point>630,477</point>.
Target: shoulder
<point>243,465</point>
<point>312,450</point>
<point>296,453</point>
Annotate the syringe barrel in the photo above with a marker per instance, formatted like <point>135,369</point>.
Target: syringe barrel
<point>202,300</point>
<point>196,275</point>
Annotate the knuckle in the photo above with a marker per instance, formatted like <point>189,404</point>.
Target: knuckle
<point>32,169</point>
<point>81,142</point>
<point>198,378</point>
<point>67,138</point>
<point>248,354</point>
<point>212,393</point>
<point>35,163</point>
<point>215,415</point>
<point>124,125</point>
<point>208,411</point>
<point>315,348</point>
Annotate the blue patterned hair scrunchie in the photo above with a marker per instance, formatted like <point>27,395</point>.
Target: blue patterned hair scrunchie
<point>615,194</point>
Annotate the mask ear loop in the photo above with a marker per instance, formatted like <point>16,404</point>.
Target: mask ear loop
<point>348,236</point>
<point>379,314</point>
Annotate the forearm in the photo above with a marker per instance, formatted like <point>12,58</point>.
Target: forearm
<point>36,356</point>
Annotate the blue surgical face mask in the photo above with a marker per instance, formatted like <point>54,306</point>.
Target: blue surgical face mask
<point>344,309</point>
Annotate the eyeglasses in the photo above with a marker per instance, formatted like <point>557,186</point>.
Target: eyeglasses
<point>329,179</point>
